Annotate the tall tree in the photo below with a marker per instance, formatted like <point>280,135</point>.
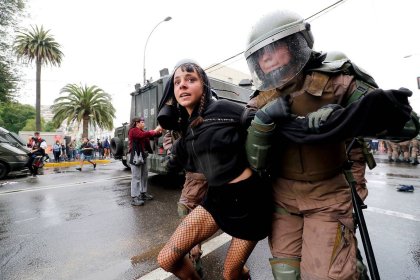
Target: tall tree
<point>37,44</point>
<point>10,15</point>
<point>89,105</point>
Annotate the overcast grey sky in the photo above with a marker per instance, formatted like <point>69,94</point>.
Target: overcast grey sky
<point>103,41</point>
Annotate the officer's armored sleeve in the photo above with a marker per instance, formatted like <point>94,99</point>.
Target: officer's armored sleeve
<point>259,138</point>
<point>381,111</point>
<point>412,126</point>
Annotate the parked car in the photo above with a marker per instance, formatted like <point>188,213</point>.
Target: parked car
<point>13,153</point>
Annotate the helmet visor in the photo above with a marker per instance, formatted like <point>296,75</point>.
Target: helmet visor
<point>275,64</point>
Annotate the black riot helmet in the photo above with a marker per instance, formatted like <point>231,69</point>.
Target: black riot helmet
<point>279,46</point>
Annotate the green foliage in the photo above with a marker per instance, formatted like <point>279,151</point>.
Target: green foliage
<point>14,115</point>
<point>30,125</point>
<point>11,13</point>
<point>7,82</point>
<point>45,126</point>
<point>49,127</point>
<point>90,105</point>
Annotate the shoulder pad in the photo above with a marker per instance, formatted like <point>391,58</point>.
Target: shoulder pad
<point>346,66</point>
<point>332,66</point>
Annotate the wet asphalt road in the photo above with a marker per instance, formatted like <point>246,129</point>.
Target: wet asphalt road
<point>80,225</point>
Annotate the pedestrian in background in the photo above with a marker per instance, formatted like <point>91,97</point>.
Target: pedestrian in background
<point>57,151</point>
<point>72,151</point>
<point>139,139</point>
<point>100,149</point>
<point>107,148</point>
<point>414,150</point>
<point>63,151</point>
<point>86,150</point>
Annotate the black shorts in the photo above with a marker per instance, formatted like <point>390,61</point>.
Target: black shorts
<point>242,210</point>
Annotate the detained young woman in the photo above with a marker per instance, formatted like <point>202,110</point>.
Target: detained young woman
<point>238,202</point>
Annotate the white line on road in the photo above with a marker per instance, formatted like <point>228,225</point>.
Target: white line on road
<point>393,213</point>
<point>208,247</point>
<point>63,185</point>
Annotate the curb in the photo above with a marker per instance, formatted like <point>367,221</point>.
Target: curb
<point>72,163</point>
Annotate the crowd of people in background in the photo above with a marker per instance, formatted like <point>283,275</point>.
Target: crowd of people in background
<point>63,151</point>
<point>403,152</point>
<point>398,152</point>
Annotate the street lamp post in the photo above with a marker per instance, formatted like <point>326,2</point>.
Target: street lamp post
<point>144,52</point>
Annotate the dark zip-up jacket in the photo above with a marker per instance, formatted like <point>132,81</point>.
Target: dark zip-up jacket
<point>217,146</point>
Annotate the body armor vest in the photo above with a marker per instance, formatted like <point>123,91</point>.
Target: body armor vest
<point>311,162</point>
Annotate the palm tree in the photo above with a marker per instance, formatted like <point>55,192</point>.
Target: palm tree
<point>88,104</point>
<point>37,44</point>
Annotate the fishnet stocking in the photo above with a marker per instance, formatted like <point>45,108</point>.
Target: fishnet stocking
<point>195,228</point>
<point>238,252</point>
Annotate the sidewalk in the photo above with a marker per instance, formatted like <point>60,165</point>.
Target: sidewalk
<point>73,163</point>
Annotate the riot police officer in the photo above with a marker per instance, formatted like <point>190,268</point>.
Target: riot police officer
<point>312,230</point>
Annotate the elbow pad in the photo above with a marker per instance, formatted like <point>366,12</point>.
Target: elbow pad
<point>258,144</point>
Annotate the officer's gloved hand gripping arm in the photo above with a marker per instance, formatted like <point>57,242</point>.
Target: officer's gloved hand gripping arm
<point>318,118</point>
<point>261,131</point>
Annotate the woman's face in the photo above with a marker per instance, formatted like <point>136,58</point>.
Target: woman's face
<point>188,89</point>
<point>274,58</point>
<point>140,124</point>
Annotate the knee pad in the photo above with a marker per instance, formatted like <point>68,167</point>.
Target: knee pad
<point>183,210</point>
<point>285,268</point>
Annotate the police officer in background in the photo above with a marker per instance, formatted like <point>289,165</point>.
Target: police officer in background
<point>313,229</point>
<point>393,150</point>
<point>414,150</point>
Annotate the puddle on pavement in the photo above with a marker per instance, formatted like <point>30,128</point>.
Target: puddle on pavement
<point>7,183</point>
<point>143,257</point>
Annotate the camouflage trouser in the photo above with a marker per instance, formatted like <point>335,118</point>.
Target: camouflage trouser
<point>414,146</point>
<point>193,191</point>
<point>393,150</point>
<point>405,150</point>
<point>313,222</point>
<point>358,170</point>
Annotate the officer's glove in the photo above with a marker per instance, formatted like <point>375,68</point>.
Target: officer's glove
<point>318,118</point>
<point>399,97</point>
<point>274,111</point>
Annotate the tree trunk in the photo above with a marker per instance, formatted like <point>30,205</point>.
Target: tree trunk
<point>85,126</point>
<point>38,96</point>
